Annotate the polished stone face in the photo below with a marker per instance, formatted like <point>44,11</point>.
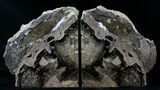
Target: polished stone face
<point>100,49</point>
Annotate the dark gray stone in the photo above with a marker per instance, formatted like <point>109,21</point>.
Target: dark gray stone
<point>44,52</point>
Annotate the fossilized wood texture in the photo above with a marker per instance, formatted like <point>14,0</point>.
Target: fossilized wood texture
<point>44,52</point>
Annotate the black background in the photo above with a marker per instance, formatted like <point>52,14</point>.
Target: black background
<point>143,13</point>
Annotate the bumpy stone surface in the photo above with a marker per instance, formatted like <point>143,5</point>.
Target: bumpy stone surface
<point>41,53</point>
<point>122,56</point>
<point>44,52</point>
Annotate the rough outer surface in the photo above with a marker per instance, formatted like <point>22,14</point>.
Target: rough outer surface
<point>124,55</point>
<point>44,52</point>
<point>36,53</point>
